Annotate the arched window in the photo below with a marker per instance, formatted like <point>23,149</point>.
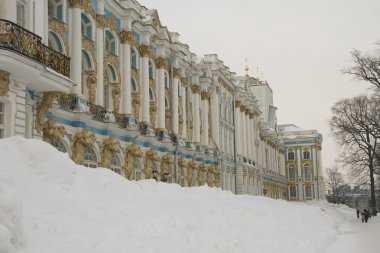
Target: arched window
<point>137,169</point>
<point>90,159</point>
<point>2,127</point>
<point>133,85</point>
<point>55,42</point>
<point>58,144</point>
<point>86,59</point>
<point>110,42</point>
<point>86,27</point>
<point>115,163</point>
<point>55,9</point>
<point>307,171</point>
<point>133,58</point>
<point>292,172</point>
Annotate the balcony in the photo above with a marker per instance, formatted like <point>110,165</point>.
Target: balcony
<point>22,52</point>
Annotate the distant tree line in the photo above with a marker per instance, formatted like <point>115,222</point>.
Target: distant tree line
<point>355,126</point>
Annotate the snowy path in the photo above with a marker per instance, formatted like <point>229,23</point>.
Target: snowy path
<point>356,236</point>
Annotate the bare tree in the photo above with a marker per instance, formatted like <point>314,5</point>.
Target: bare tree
<point>334,181</point>
<point>353,128</point>
<point>366,67</point>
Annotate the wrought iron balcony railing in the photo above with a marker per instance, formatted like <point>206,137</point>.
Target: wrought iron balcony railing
<point>17,39</point>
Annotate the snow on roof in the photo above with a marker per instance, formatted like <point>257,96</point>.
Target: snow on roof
<point>289,128</point>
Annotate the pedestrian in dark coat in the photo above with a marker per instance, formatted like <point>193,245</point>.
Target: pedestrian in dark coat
<point>362,216</point>
<point>366,215</point>
<point>357,213</point>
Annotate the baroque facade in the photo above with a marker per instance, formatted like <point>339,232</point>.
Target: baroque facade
<point>303,162</point>
<point>106,82</point>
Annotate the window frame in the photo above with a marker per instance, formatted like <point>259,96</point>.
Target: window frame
<point>21,6</point>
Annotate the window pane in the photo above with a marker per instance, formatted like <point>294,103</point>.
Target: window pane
<point>20,14</point>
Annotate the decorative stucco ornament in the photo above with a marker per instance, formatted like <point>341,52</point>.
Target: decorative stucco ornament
<point>132,153</point>
<point>108,147</point>
<point>116,97</point>
<point>191,166</point>
<point>4,82</point>
<point>166,162</point>
<point>91,86</point>
<point>79,143</point>
<point>136,105</point>
<point>51,131</point>
<point>43,106</point>
<point>151,156</point>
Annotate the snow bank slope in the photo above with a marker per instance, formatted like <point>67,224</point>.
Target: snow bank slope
<point>49,204</point>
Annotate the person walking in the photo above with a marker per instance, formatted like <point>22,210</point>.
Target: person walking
<point>362,216</point>
<point>366,212</point>
<point>357,213</point>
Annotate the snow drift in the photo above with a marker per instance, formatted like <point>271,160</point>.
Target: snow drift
<point>49,204</point>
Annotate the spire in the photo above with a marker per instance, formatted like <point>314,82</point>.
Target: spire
<point>246,67</point>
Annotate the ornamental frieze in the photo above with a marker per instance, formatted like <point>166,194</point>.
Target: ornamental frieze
<point>116,93</point>
<point>145,51</point>
<point>128,37</point>
<point>161,63</point>
<point>4,82</point>
<point>76,3</point>
<point>204,95</point>
<point>196,89</point>
<point>177,73</point>
<point>91,86</point>
<point>101,21</point>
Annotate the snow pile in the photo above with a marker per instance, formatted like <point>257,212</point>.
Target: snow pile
<point>49,204</point>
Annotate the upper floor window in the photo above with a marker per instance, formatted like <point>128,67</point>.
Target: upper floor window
<point>307,171</point>
<point>110,42</point>
<point>151,71</point>
<point>166,80</point>
<point>55,9</point>
<point>55,43</point>
<point>21,13</point>
<point>292,172</point>
<point>1,120</point>
<point>306,155</point>
<point>133,85</point>
<point>290,155</point>
<point>86,27</point>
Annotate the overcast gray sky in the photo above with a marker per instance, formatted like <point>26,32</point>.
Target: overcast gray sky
<point>299,45</point>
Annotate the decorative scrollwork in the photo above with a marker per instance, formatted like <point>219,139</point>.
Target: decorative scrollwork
<point>79,143</point>
<point>43,106</point>
<point>108,147</point>
<point>4,82</point>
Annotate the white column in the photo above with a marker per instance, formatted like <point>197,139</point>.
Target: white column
<point>174,106</point>
<point>76,49</point>
<point>300,184</point>
<point>205,141</point>
<point>252,129</point>
<point>196,120</point>
<point>214,101</point>
<point>184,112</point>
<point>126,97</point>
<point>99,59</point>
<point>248,131</point>
<point>145,52</point>
<point>160,68</point>
<point>244,136</point>
<point>8,10</point>
<point>237,128</point>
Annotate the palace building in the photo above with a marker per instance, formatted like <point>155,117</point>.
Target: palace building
<point>108,83</point>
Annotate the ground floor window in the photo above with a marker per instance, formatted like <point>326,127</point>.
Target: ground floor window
<point>293,192</point>
<point>58,144</point>
<point>115,164</point>
<point>1,120</point>
<point>90,159</point>
<point>308,191</point>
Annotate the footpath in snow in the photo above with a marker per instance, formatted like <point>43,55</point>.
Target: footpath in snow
<point>355,237</point>
<point>48,204</point>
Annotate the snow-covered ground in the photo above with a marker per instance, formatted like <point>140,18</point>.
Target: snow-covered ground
<point>49,204</point>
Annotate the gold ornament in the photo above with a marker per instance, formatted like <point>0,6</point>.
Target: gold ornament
<point>161,63</point>
<point>166,162</point>
<point>136,105</point>
<point>4,82</point>
<point>116,97</point>
<point>82,140</point>
<point>145,51</point>
<point>43,106</point>
<point>151,156</point>
<point>153,113</point>
<point>51,131</point>
<point>91,86</point>
<point>177,73</point>
<point>132,153</point>
<point>191,166</point>
<point>108,147</point>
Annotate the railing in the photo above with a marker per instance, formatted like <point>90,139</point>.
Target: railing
<point>17,39</point>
